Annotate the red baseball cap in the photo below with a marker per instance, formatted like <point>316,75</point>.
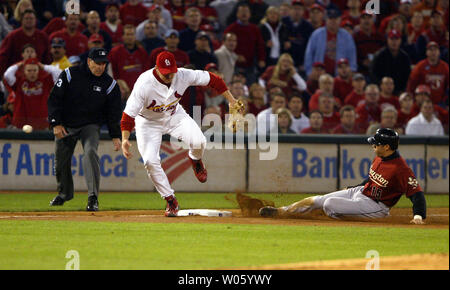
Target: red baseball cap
<point>207,27</point>
<point>32,60</point>
<point>432,44</point>
<point>423,89</point>
<point>96,37</point>
<point>394,34</point>
<point>211,65</point>
<point>346,23</point>
<point>165,62</point>
<point>317,6</point>
<point>319,64</point>
<point>154,7</point>
<point>342,60</point>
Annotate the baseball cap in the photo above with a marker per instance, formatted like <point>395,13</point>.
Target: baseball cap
<point>346,23</point>
<point>317,6</point>
<point>432,44</point>
<point>297,2</point>
<point>31,60</point>
<point>211,65</point>
<point>404,96</point>
<point>207,27</point>
<point>154,7</point>
<point>96,37</point>
<point>342,61</point>
<point>394,34</point>
<point>171,32</point>
<point>58,42</point>
<point>358,76</point>
<point>333,13</point>
<point>423,89</point>
<point>98,54</point>
<point>165,62</point>
<point>201,34</point>
<point>319,64</point>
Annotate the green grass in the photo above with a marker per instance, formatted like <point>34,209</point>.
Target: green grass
<point>109,245</point>
<point>144,201</point>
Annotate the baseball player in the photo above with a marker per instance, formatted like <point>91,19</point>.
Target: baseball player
<point>389,178</point>
<point>153,109</point>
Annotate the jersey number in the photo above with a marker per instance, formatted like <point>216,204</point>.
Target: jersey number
<point>59,83</point>
<point>376,192</point>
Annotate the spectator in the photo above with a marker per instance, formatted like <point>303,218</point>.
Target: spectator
<point>388,120</point>
<point>443,6</point>
<point>31,90</point>
<point>329,44</point>
<point>257,94</point>
<point>152,39</point>
<point>266,121</point>
<point>209,14</point>
<point>275,35</point>
<point>330,117</point>
<point>299,120</point>
<point>193,19</point>
<point>201,55</point>
<point>177,10</point>
<point>347,26</point>
<point>166,17</point>
<point>283,75</point>
<point>250,43</point>
<point>226,8</point>
<point>299,32</point>
<point>393,62</point>
<point>404,10</point>
<point>415,27</point>
<point>387,97</point>
<point>11,46</point>
<point>368,41</point>
<point>426,7</point>
<point>128,60</point>
<point>357,94</point>
<point>93,26</point>
<point>316,16</point>
<point>58,52</point>
<point>436,32</point>
<point>423,93</point>
<point>226,56</point>
<point>312,83</point>
<point>326,86</point>
<point>257,9</point>
<point>172,40</point>
<point>353,13</point>
<point>343,81</point>
<point>214,41</point>
<point>95,41</point>
<point>316,122</point>
<point>133,12</point>
<point>348,123</point>
<point>425,123</point>
<point>7,116</point>
<point>400,24</point>
<point>154,15</point>
<point>59,23</point>
<point>76,42</point>
<point>433,72</point>
<point>5,28</point>
<point>284,121</point>
<point>22,5</point>
<point>237,88</point>
<point>369,111</point>
<point>124,92</point>
<point>406,112</point>
<point>112,24</point>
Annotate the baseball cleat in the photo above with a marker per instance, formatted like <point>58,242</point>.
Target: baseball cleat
<point>268,211</point>
<point>57,201</point>
<point>199,170</point>
<point>171,207</point>
<point>92,204</point>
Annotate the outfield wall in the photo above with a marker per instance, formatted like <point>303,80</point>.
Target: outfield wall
<point>315,164</point>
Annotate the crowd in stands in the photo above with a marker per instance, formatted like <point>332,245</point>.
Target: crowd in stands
<point>324,66</point>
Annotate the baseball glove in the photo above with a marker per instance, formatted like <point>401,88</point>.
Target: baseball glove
<point>236,120</point>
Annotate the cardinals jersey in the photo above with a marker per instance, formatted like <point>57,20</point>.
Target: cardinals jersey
<point>389,178</point>
<point>154,100</point>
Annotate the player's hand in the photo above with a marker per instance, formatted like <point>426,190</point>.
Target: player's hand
<point>59,131</point>
<point>117,144</point>
<point>417,220</point>
<point>126,145</point>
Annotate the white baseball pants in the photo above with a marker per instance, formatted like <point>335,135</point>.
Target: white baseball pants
<point>344,203</point>
<point>148,137</point>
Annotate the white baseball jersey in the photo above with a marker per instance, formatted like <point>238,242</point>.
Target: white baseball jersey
<point>154,100</point>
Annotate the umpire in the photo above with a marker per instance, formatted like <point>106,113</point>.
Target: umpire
<point>83,98</point>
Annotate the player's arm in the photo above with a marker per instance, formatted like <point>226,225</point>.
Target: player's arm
<point>126,125</point>
<point>419,207</point>
<point>216,83</point>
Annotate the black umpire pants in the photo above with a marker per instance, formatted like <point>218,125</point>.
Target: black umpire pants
<point>89,136</point>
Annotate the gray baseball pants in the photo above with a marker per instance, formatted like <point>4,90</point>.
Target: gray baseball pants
<point>343,203</point>
<point>89,136</point>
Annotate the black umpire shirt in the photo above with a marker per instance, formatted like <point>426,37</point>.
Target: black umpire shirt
<point>80,98</point>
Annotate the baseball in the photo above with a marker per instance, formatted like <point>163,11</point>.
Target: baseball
<point>27,128</point>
